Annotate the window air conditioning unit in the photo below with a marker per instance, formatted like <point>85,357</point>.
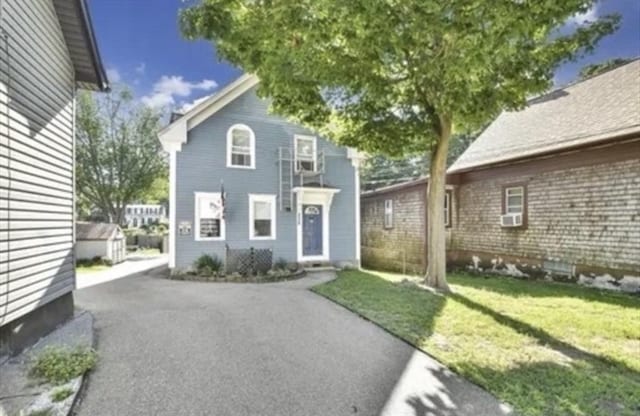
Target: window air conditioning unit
<point>511,220</point>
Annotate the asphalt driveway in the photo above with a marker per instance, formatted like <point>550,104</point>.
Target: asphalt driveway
<point>188,348</point>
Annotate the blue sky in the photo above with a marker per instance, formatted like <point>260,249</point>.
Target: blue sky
<point>141,46</point>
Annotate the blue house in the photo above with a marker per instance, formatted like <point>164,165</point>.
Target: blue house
<point>242,178</point>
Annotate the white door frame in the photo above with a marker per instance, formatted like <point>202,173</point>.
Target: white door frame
<point>314,196</point>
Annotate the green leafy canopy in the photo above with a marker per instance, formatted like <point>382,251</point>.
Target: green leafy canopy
<point>383,75</point>
<point>118,155</point>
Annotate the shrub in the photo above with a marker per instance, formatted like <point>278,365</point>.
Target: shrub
<point>280,264</point>
<point>60,394</point>
<point>95,261</point>
<point>58,365</point>
<point>207,265</point>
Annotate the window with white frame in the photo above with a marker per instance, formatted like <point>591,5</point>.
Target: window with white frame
<point>447,209</point>
<point>305,153</point>
<point>209,216</point>
<point>514,200</point>
<point>388,213</point>
<point>241,146</point>
<point>262,217</point>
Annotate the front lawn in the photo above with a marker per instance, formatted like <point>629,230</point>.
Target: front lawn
<point>545,348</point>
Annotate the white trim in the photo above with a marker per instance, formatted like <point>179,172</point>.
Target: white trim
<point>175,134</point>
<point>196,217</point>
<point>326,206</point>
<point>356,170</point>
<point>388,210</point>
<point>172,208</point>
<point>506,199</point>
<point>314,196</point>
<point>270,198</point>
<point>252,146</point>
<point>295,151</point>
<point>447,208</point>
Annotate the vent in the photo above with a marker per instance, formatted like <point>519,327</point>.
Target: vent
<point>511,220</point>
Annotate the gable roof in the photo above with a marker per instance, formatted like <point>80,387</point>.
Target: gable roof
<point>423,180</point>
<point>175,134</point>
<point>604,107</point>
<point>96,230</point>
<point>77,30</point>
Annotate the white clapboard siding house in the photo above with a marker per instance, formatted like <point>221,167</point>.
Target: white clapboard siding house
<point>47,52</point>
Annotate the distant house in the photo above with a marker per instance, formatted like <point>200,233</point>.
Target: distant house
<point>553,189</point>
<point>103,240</point>
<point>47,51</point>
<point>137,215</point>
<point>243,178</point>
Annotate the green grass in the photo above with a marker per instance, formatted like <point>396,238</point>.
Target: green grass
<point>545,348</point>
<point>92,269</point>
<point>61,394</point>
<point>145,252</point>
<point>59,365</point>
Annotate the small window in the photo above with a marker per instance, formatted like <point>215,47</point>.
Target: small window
<point>447,209</point>
<point>305,153</point>
<point>262,217</point>
<point>514,200</point>
<point>240,147</point>
<point>209,216</point>
<point>388,213</point>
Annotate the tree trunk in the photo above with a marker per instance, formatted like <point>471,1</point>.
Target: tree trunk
<point>436,250</point>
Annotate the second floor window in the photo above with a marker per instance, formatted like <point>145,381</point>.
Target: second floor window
<point>305,153</point>
<point>240,147</point>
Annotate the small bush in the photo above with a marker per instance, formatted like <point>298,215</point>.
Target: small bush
<point>58,365</point>
<point>207,265</point>
<point>60,394</point>
<point>280,264</point>
<point>95,261</point>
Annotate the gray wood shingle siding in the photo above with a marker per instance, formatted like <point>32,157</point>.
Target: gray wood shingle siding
<point>36,158</point>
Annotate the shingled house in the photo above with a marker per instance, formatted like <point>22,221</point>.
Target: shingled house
<point>553,189</point>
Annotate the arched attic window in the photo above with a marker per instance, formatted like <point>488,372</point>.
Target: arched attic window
<point>241,147</point>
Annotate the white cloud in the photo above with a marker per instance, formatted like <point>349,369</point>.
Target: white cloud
<point>185,106</point>
<point>582,18</point>
<point>113,75</point>
<point>167,88</point>
<point>141,68</point>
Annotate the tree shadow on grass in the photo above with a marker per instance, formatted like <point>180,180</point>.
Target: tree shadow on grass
<point>401,308</point>
<point>549,388</point>
<point>515,287</point>
<point>543,337</point>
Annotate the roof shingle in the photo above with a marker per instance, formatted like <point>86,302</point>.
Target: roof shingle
<point>596,109</point>
<point>96,230</point>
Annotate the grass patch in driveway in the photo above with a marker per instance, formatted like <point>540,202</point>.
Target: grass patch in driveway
<point>546,348</point>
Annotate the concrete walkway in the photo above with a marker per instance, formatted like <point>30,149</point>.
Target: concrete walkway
<point>132,265</point>
<point>189,348</point>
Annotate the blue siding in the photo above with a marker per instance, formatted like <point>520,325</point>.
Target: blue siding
<point>201,165</point>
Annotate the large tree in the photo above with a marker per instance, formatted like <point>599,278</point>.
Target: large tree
<point>398,76</point>
<point>118,155</point>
